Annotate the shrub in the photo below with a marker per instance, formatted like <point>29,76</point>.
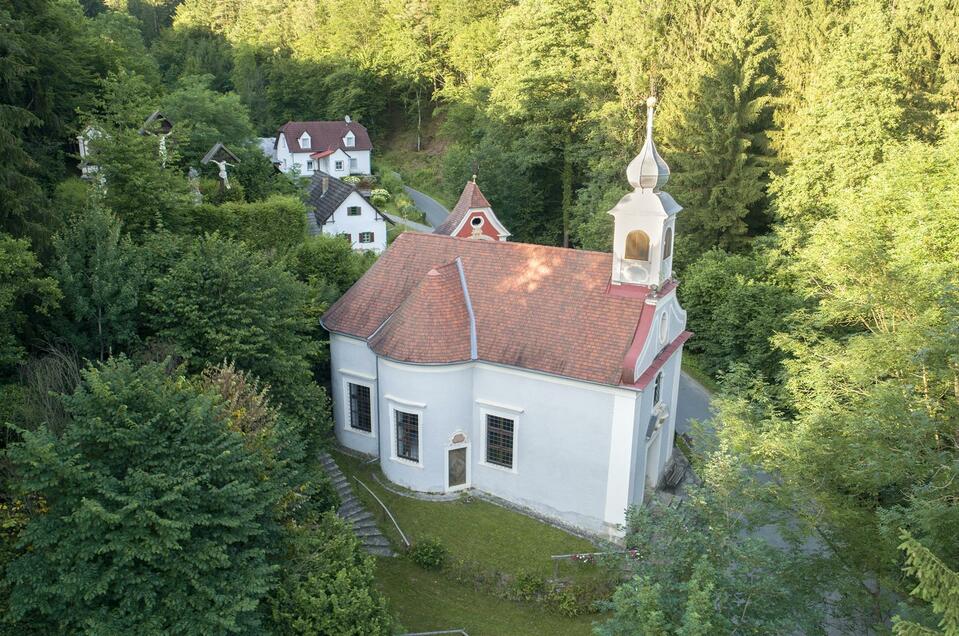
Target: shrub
<point>351,179</point>
<point>526,587</point>
<point>428,553</point>
<point>379,196</point>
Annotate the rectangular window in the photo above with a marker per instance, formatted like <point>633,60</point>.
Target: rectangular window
<point>407,436</point>
<point>658,389</point>
<point>353,210</point>
<point>360,413</point>
<point>338,165</point>
<point>354,164</point>
<point>499,441</point>
<point>366,237</point>
<point>309,166</point>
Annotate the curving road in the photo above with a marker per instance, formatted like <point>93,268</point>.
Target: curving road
<point>433,209</point>
<point>692,403</point>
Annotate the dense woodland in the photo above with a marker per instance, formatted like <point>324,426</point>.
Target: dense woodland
<point>814,145</point>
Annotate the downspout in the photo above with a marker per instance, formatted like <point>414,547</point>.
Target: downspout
<point>379,429</point>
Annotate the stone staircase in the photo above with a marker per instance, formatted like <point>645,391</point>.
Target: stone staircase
<point>355,513</point>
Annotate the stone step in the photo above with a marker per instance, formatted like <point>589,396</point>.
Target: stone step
<point>381,551</point>
<point>339,479</point>
<point>375,540</point>
<point>349,507</point>
<point>364,524</point>
<point>342,487</point>
<point>358,515</point>
<point>366,531</point>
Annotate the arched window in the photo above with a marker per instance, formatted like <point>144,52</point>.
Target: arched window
<point>668,243</point>
<point>637,246</point>
<point>658,389</point>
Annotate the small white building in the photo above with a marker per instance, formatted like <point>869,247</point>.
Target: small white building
<point>545,376</point>
<point>338,209</point>
<point>338,148</point>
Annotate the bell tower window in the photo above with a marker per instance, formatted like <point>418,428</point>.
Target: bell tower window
<point>668,243</point>
<point>637,246</point>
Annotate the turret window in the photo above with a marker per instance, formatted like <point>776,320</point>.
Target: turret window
<point>668,243</point>
<point>637,246</point>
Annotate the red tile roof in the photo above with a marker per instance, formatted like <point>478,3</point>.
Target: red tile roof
<point>471,199</point>
<point>325,135</point>
<point>432,324</point>
<point>541,308</point>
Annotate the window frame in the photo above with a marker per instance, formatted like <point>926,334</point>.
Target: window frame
<point>506,413</point>
<point>645,244</point>
<point>668,243</point>
<point>658,389</point>
<point>362,234</point>
<point>355,377</point>
<point>349,140</point>
<point>309,165</point>
<point>354,415</point>
<point>359,210</point>
<point>397,406</point>
<point>309,141</point>
<point>354,163</point>
<point>338,165</point>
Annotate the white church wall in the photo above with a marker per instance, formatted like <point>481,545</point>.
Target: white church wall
<point>439,395</point>
<point>352,361</point>
<point>562,444</point>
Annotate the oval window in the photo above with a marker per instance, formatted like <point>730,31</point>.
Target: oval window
<point>477,221</point>
<point>664,328</point>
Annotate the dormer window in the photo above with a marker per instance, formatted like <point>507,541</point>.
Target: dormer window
<point>637,246</point>
<point>350,140</point>
<point>305,141</point>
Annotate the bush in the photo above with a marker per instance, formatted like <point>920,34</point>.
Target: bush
<point>277,223</point>
<point>428,553</point>
<point>379,196</point>
<point>526,587</point>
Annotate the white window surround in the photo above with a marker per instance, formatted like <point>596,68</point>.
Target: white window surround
<point>309,165</point>
<point>305,140</point>
<point>338,164</point>
<point>510,414</point>
<point>469,466</point>
<point>397,405</point>
<point>369,381</point>
<point>350,140</point>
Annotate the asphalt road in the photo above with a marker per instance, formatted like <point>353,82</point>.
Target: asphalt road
<point>692,403</point>
<point>433,209</point>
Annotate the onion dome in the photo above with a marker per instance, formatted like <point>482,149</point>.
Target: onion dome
<point>648,171</point>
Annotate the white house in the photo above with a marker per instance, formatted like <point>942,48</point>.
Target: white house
<point>545,376</point>
<point>338,209</point>
<point>338,148</point>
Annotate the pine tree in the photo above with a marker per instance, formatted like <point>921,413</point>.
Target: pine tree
<point>938,586</point>
<point>158,517</point>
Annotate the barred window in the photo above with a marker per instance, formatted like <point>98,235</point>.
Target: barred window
<point>366,237</point>
<point>407,436</point>
<point>499,441</point>
<point>360,412</point>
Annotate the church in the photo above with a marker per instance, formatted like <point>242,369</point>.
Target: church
<point>544,376</point>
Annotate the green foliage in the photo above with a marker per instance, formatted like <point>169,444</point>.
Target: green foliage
<point>328,262</point>
<point>145,194</point>
<point>734,306</point>
<point>428,553</point>
<point>170,531</point>
<point>98,272</point>
<point>220,300</point>
<point>202,117</point>
<point>938,585</point>
<point>326,585</point>
<point>24,293</point>
<point>706,569</point>
<point>276,224</point>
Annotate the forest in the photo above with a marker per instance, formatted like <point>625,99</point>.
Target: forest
<point>814,146</point>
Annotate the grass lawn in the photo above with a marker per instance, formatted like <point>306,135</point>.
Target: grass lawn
<point>494,538</point>
<point>430,601</point>
<point>478,531</point>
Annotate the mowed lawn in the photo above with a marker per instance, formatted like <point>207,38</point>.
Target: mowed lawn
<point>495,538</point>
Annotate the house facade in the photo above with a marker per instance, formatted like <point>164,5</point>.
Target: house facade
<point>338,209</point>
<point>473,217</point>
<point>337,148</point>
<point>547,377</point>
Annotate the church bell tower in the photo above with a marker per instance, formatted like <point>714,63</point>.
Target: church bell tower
<point>645,219</point>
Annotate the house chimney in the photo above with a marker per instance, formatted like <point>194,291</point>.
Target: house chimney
<point>347,119</point>
<point>326,184</point>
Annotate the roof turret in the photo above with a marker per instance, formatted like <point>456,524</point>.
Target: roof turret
<point>648,171</point>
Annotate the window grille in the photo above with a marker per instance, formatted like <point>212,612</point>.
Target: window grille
<point>338,165</point>
<point>366,237</point>
<point>360,411</point>
<point>499,441</point>
<point>407,436</point>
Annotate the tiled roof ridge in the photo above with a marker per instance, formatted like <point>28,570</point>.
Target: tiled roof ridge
<point>502,244</point>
